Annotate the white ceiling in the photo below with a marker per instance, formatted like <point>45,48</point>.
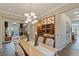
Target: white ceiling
<point>72,15</point>
<point>21,8</point>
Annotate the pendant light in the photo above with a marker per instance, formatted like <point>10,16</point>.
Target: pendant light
<point>31,17</point>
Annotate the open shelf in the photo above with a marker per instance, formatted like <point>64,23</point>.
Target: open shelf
<point>46,26</point>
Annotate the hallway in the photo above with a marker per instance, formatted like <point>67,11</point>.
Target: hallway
<point>71,50</point>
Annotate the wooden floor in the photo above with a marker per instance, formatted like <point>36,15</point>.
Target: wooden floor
<point>71,50</point>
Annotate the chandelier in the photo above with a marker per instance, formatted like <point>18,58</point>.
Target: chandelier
<point>31,17</point>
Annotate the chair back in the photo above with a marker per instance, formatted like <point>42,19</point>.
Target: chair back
<point>40,39</point>
<point>50,42</point>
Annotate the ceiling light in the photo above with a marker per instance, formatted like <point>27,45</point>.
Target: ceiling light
<point>33,22</point>
<point>26,21</point>
<point>35,16</point>
<point>29,20</point>
<point>32,14</point>
<point>76,12</point>
<point>26,14</point>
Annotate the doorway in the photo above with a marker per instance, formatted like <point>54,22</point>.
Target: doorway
<point>11,31</point>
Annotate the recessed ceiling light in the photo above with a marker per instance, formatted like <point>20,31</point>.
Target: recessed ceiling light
<point>76,12</point>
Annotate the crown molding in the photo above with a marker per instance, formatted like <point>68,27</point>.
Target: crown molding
<point>76,19</point>
<point>60,9</point>
<point>11,15</point>
<point>51,10</point>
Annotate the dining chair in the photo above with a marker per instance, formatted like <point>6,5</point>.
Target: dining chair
<point>50,42</point>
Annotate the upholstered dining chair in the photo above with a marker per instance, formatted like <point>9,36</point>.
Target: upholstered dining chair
<point>40,39</point>
<point>50,42</point>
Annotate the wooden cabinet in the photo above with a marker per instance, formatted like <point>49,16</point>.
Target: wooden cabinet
<point>49,28</point>
<point>46,26</point>
<point>39,27</point>
<point>46,29</point>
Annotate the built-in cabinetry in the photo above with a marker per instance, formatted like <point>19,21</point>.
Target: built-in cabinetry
<point>46,28</point>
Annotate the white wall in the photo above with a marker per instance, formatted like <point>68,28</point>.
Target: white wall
<point>57,26</point>
<point>1,31</point>
<point>60,35</point>
<point>62,39</point>
<point>31,28</point>
<point>2,28</point>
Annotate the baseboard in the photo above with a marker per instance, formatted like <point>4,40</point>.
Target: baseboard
<point>64,46</point>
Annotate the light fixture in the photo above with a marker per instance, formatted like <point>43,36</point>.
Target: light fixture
<point>32,14</point>
<point>76,12</point>
<point>31,17</point>
<point>26,14</point>
<point>35,21</point>
<point>26,22</point>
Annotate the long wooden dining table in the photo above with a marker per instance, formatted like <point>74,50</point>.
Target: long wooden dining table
<point>32,50</point>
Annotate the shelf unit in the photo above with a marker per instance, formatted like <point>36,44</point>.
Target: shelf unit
<point>49,28</point>
<point>46,29</point>
<point>46,26</point>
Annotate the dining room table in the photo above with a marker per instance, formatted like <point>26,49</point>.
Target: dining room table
<point>40,50</point>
